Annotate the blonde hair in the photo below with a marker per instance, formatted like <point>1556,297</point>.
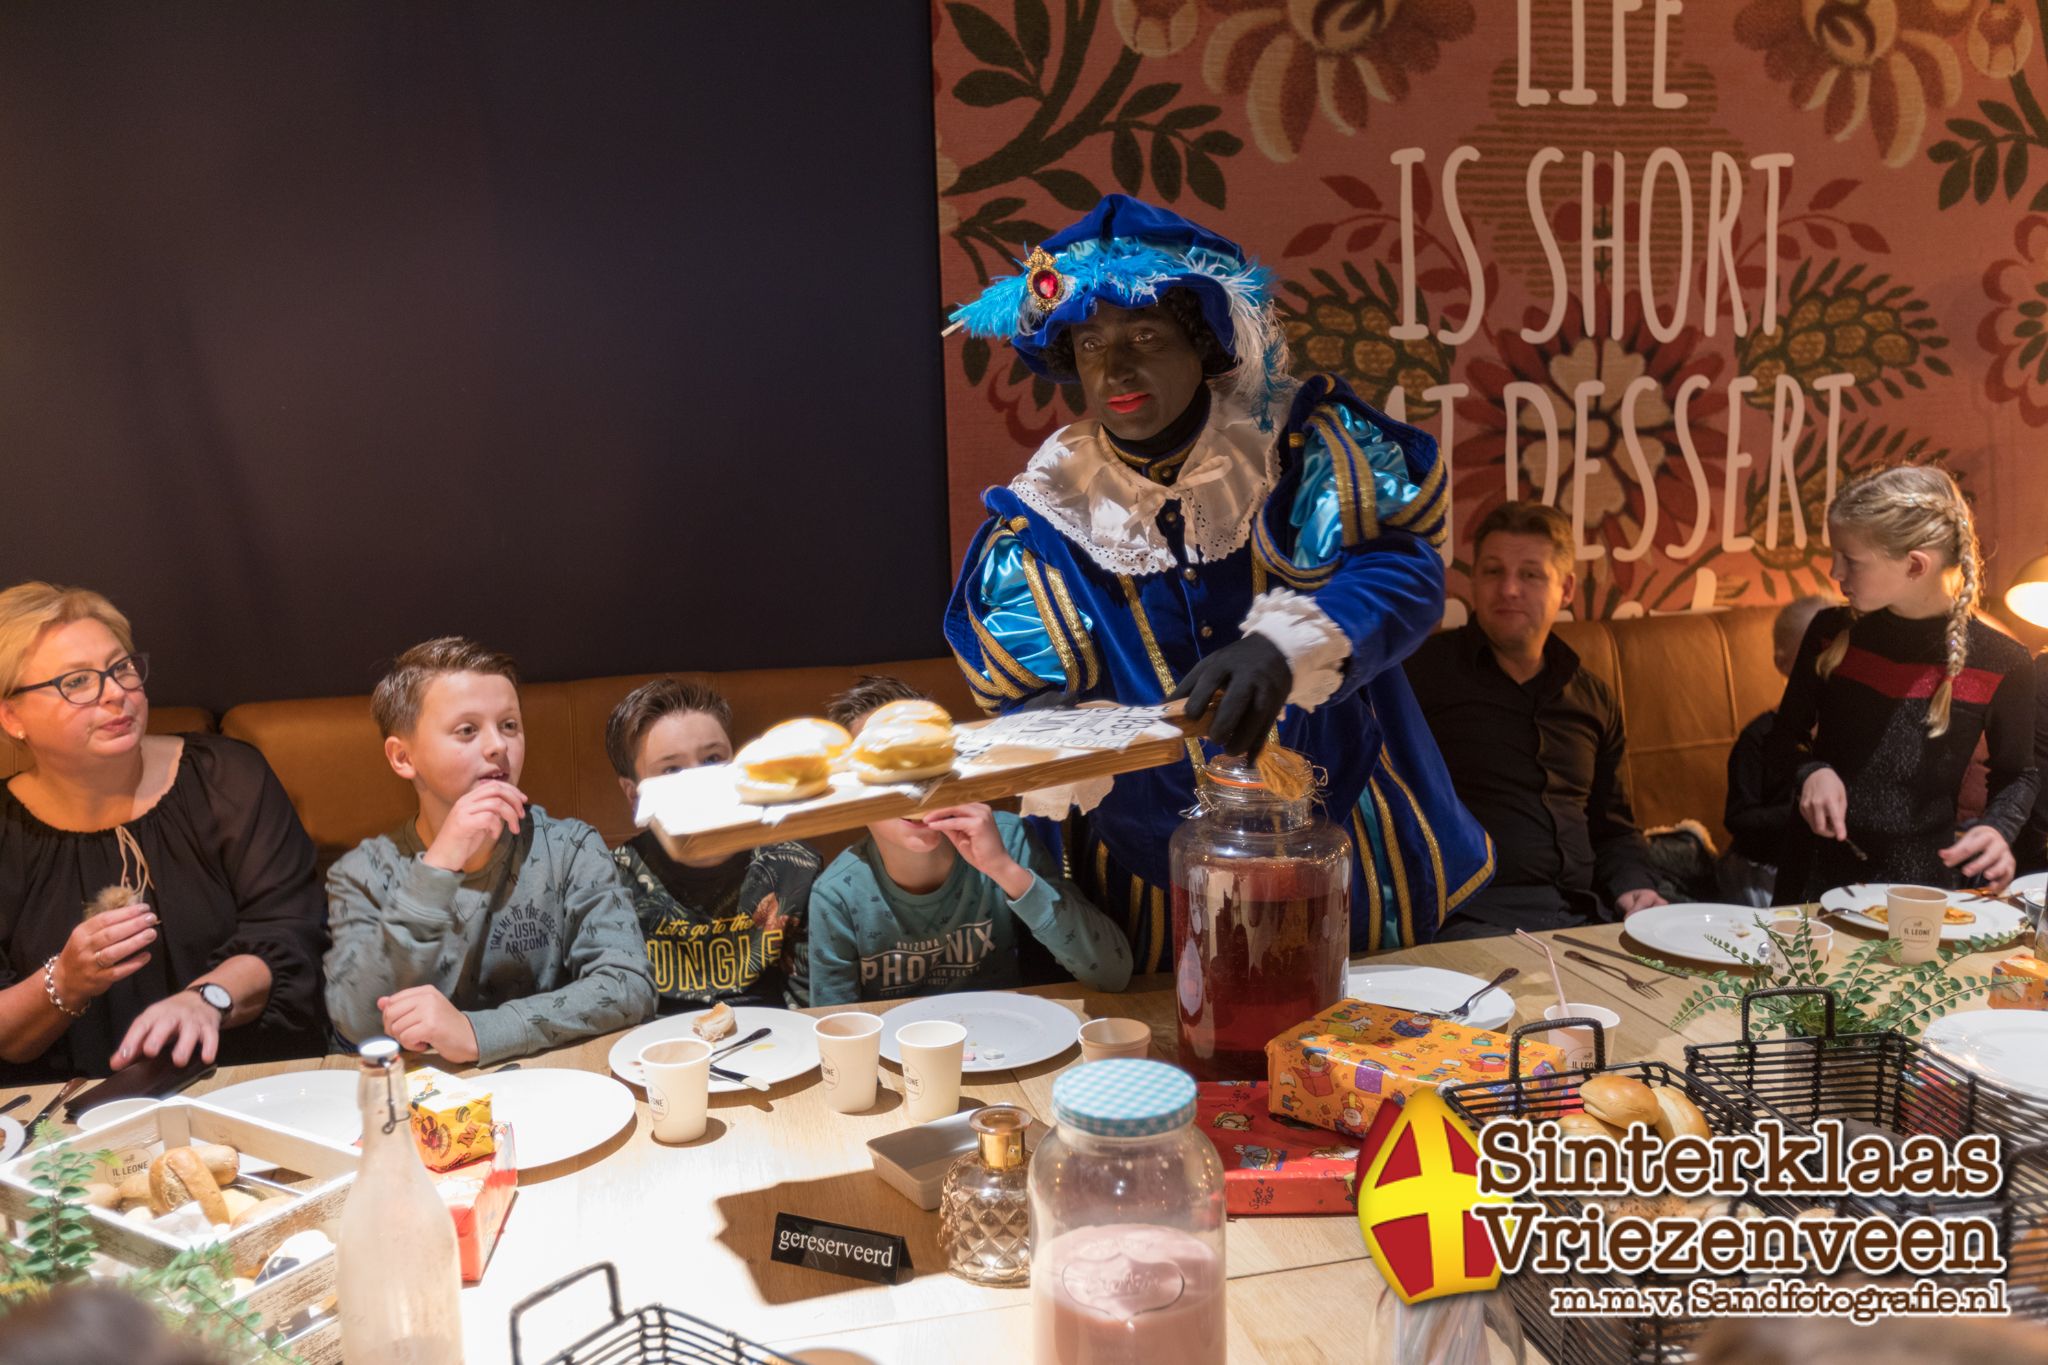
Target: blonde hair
<point>1916,507</point>
<point>29,609</point>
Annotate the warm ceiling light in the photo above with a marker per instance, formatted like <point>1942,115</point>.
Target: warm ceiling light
<point>2027,598</point>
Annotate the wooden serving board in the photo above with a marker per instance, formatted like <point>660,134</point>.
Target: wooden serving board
<point>697,814</point>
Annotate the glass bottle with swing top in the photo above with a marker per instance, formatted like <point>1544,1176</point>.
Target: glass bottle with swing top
<point>399,1272</point>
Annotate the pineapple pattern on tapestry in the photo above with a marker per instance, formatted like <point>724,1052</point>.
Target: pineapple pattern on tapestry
<point>1680,268</point>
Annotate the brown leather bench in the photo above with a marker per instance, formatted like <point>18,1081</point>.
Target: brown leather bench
<point>1687,684</point>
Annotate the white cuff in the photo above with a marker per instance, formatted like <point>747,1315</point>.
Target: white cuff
<point>1053,802</point>
<point>1315,648</point>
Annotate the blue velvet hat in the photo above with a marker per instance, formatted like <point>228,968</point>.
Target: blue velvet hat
<point>1131,253</point>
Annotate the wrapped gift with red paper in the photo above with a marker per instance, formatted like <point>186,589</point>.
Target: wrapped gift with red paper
<point>479,1195</point>
<point>1273,1165</point>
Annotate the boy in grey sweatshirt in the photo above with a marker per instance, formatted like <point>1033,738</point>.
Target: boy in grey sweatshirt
<point>484,928</point>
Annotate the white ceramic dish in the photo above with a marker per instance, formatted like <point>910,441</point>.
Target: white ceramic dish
<point>1430,988</point>
<point>319,1103</point>
<point>113,1111</point>
<point>2005,1047</point>
<point>1685,931</point>
<point>1994,918</point>
<point>13,1137</point>
<point>789,1050</point>
<point>1004,1030</point>
<point>557,1113</point>
<point>2031,887</point>
<point>914,1161</point>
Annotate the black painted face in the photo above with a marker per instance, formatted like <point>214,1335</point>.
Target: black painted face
<point>1138,370</point>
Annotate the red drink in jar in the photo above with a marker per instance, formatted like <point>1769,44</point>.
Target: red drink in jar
<point>1261,921</point>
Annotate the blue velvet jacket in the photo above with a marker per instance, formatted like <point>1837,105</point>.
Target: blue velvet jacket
<point>1096,578</point>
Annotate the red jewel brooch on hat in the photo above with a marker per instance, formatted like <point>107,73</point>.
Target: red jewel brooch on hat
<point>1043,281</point>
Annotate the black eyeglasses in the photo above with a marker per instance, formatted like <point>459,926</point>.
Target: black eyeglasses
<point>84,686</point>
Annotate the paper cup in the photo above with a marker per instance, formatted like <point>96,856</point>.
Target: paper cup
<point>1913,916</point>
<point>932,1052</point>
<point>678,1074</point>
<point>1785,924</point>
<point>1102,1039</point>
<point>849,1059</point>
<point>1577,1043</point>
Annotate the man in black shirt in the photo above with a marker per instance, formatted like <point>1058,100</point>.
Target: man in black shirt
<point>1532,740</point>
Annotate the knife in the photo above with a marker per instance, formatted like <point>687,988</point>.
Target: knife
<point>71,1087</point>
<point>1616,952</point>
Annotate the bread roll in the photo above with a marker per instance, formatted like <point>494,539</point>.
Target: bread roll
<point>1677,1115</point>
<point>260,1210</point>
<point>238,1202</point>
<point>905,741</point>
<point>791,762</point>
<point>224,1162</point>
<point>1585,1125</point>
<point>1620,1101</point>
<point>179,1177</point>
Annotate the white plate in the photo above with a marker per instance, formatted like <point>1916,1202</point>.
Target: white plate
<point>13,1137</point>
<point>2005,1047</point>
<point>322,1103</point>
<point>1683,931</point>
<point>2031,887</point>
<point>112,1112</point>
<point>1430,988</point>
<point>789,1050</point>
<point>1004,1031</point>
<point>556,1113</point>
<point>1993,917</point>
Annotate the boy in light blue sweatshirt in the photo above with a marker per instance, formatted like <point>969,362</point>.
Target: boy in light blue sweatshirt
<point>959,899</point>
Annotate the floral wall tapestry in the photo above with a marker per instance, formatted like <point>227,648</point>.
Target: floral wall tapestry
<point>1679,267</point>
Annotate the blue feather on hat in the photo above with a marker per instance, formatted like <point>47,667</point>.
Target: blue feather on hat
<point>1131,253</point>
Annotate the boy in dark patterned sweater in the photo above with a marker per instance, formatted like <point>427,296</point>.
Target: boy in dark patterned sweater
<point>729,930</point>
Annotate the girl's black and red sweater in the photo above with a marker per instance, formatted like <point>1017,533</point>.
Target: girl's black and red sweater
<point>1868,721</point>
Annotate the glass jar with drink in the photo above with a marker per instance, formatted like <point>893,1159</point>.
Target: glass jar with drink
<point>1126,1223</point>
<point>1261,915</point>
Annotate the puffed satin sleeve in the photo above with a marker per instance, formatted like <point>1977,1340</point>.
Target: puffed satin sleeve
<point>1317,514</point>
<point>1010,613</point>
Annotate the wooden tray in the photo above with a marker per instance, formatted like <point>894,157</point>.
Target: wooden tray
<point>324,1170</point>
<point>697,814</point>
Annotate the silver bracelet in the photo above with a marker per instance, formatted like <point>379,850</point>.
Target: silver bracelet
<point>50,989</point>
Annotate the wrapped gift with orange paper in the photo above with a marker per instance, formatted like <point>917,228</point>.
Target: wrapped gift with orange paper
<point>1274,1165</point>
<point>1336,1070</point>
<point>2020,983</point>
<point>451,1118</point>
<point>479,1195</point>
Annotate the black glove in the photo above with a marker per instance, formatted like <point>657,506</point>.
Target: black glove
<point>1249,682</point>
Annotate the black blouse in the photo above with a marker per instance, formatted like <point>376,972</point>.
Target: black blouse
<point>232,873</point>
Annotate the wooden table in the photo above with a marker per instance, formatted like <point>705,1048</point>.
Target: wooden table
<point>688,1226</point>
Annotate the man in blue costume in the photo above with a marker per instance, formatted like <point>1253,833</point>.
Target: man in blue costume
<point>1218,530</point>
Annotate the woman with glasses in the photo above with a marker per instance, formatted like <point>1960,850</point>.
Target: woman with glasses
<point>157,892</point>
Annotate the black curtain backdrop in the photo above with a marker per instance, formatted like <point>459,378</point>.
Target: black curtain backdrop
<point>604,332</point>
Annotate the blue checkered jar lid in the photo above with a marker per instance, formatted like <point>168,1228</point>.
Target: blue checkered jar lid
<point>1124,1097</point>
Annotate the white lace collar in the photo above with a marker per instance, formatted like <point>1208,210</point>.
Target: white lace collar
<point>1110,510</point>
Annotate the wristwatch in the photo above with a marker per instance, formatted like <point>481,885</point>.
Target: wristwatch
<point>216,995</point>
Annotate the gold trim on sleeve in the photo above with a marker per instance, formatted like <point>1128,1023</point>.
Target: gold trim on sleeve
<point>1077,626</point>
<point>1152,652</point>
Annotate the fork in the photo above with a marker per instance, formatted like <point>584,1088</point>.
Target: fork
<point>1458,1012</point>
<point>1640,987</point>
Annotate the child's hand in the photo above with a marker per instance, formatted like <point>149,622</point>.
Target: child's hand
<point>1824,802</point>
<point>424,1020</point>
<point>474,823</point>
<point>972,831</point>
<point>1989,856</point>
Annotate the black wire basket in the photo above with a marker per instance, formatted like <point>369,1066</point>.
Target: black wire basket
<point>1898,1086</point>
<point>654,1335</point>
<point>1639,1340</point>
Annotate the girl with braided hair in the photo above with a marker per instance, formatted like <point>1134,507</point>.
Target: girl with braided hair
<point>1890,696</point>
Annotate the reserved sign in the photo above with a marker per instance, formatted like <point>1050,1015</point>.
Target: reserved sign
<point>861,1253</point>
